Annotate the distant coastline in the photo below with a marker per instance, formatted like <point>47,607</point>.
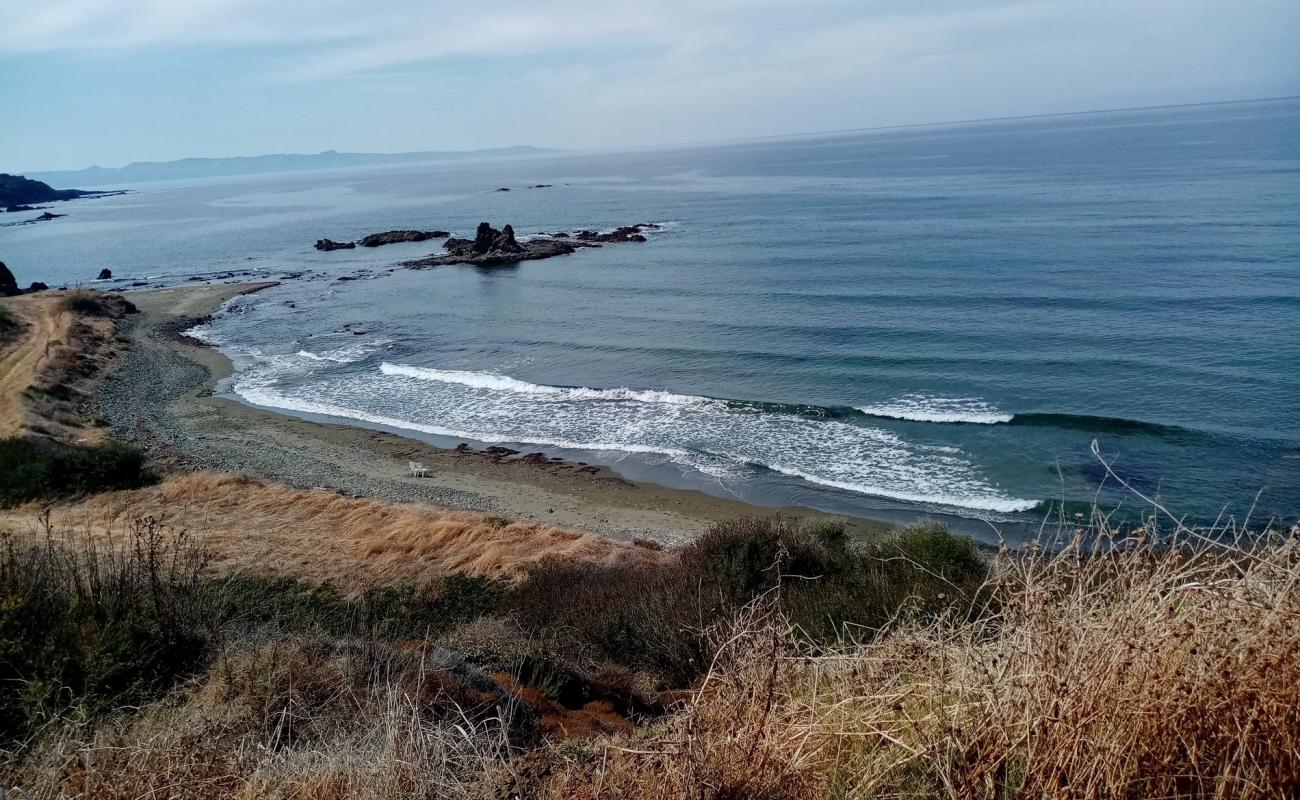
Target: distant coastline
<point>188,168</point>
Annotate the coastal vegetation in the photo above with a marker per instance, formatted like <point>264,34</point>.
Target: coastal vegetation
<point>36,469</point>
<point>768,659</point>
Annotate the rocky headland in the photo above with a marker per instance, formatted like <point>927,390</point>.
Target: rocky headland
<point>18,193</point>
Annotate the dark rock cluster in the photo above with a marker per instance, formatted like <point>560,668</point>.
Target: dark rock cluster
<point>625,233</point>
<point>394,237</point>
<point>492,248</point>
<point>379,239</point>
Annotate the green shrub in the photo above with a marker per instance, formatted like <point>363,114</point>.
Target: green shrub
<point>396,612</point>
<point>933,549</point>
<point>86,629</point>
<point>85,301</point>
<point>657,618</point>
<point>32,469</point>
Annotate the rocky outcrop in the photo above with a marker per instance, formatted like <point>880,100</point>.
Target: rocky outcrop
<point>8,285</point>
<point>625,233</point>
<point>15,190</point>
<point>491,247</point>
<point>105,274</point>
<point>394,237</point>
<point>37,286</point>
<point>327,245</point>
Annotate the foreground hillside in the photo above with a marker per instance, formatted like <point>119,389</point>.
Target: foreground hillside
<point>763,661</point>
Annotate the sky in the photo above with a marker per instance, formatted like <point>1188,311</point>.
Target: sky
<point>108,82</point>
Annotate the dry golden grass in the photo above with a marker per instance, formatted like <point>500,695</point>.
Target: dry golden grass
<point>61,352</point>
<point>1125,672</point>
<point>1140,674</point>
<point>286,719</point>
<point>253,527</point>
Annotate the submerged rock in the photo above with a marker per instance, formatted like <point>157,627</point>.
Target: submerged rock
<point>105,274</point>
<point>327,245</point>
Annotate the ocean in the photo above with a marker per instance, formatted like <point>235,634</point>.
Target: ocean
<point>937,320</point>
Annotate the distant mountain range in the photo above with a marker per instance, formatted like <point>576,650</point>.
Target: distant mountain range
<point>250,165</point>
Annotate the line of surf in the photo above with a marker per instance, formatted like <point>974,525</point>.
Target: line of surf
<point>909,408</point>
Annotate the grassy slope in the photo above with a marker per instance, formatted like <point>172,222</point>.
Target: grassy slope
<point>1140,673</point>
<point>252,527</point>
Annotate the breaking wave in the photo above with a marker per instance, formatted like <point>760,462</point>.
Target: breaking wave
<point>712,436</point>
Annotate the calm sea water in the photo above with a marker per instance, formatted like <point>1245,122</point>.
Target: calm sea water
<point>939,319</point>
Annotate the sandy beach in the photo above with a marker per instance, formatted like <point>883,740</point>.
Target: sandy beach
<point>162,397</point>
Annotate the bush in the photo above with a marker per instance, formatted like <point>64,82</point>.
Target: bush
<point>8,324</point>
<point>392,613</point>
<point>32,469</point>
<point>934,550</point>
<point>660,618</point>
<point>88,628</point>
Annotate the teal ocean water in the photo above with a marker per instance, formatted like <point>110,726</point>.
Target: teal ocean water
<point>937,319</point>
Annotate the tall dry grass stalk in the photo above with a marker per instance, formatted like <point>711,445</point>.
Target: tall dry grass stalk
<point>1130,671</point>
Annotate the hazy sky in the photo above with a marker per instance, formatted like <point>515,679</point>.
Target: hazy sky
<point>111,81</point>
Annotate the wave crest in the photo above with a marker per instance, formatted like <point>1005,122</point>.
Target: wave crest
<point>923,408</point>
<point>503,383</point>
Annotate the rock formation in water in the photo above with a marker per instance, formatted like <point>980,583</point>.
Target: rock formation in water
<point>491,247</point>
<point>329,244</point>
<point>105,274</point>
<point>394,237</point>
<point>625,233</point>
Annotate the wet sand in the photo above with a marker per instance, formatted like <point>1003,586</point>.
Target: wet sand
<point>162,398</point>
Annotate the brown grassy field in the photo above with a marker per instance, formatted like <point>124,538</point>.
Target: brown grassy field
<point>253,527</point>
<point>1132,672</point>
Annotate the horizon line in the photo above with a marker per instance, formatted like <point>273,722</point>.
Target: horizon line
<point>707,142</point>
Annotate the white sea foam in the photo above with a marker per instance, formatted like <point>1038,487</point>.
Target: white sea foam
<point>697,432</point>
<point>977,502</point>
<point>348,354</point>
<point>265,396</point>
<point>504,383</point>
<point>923,408</point>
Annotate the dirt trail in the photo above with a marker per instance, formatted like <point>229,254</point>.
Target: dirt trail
<point>44,322</point>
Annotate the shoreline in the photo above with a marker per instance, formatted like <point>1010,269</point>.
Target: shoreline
<point>162,398</point>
